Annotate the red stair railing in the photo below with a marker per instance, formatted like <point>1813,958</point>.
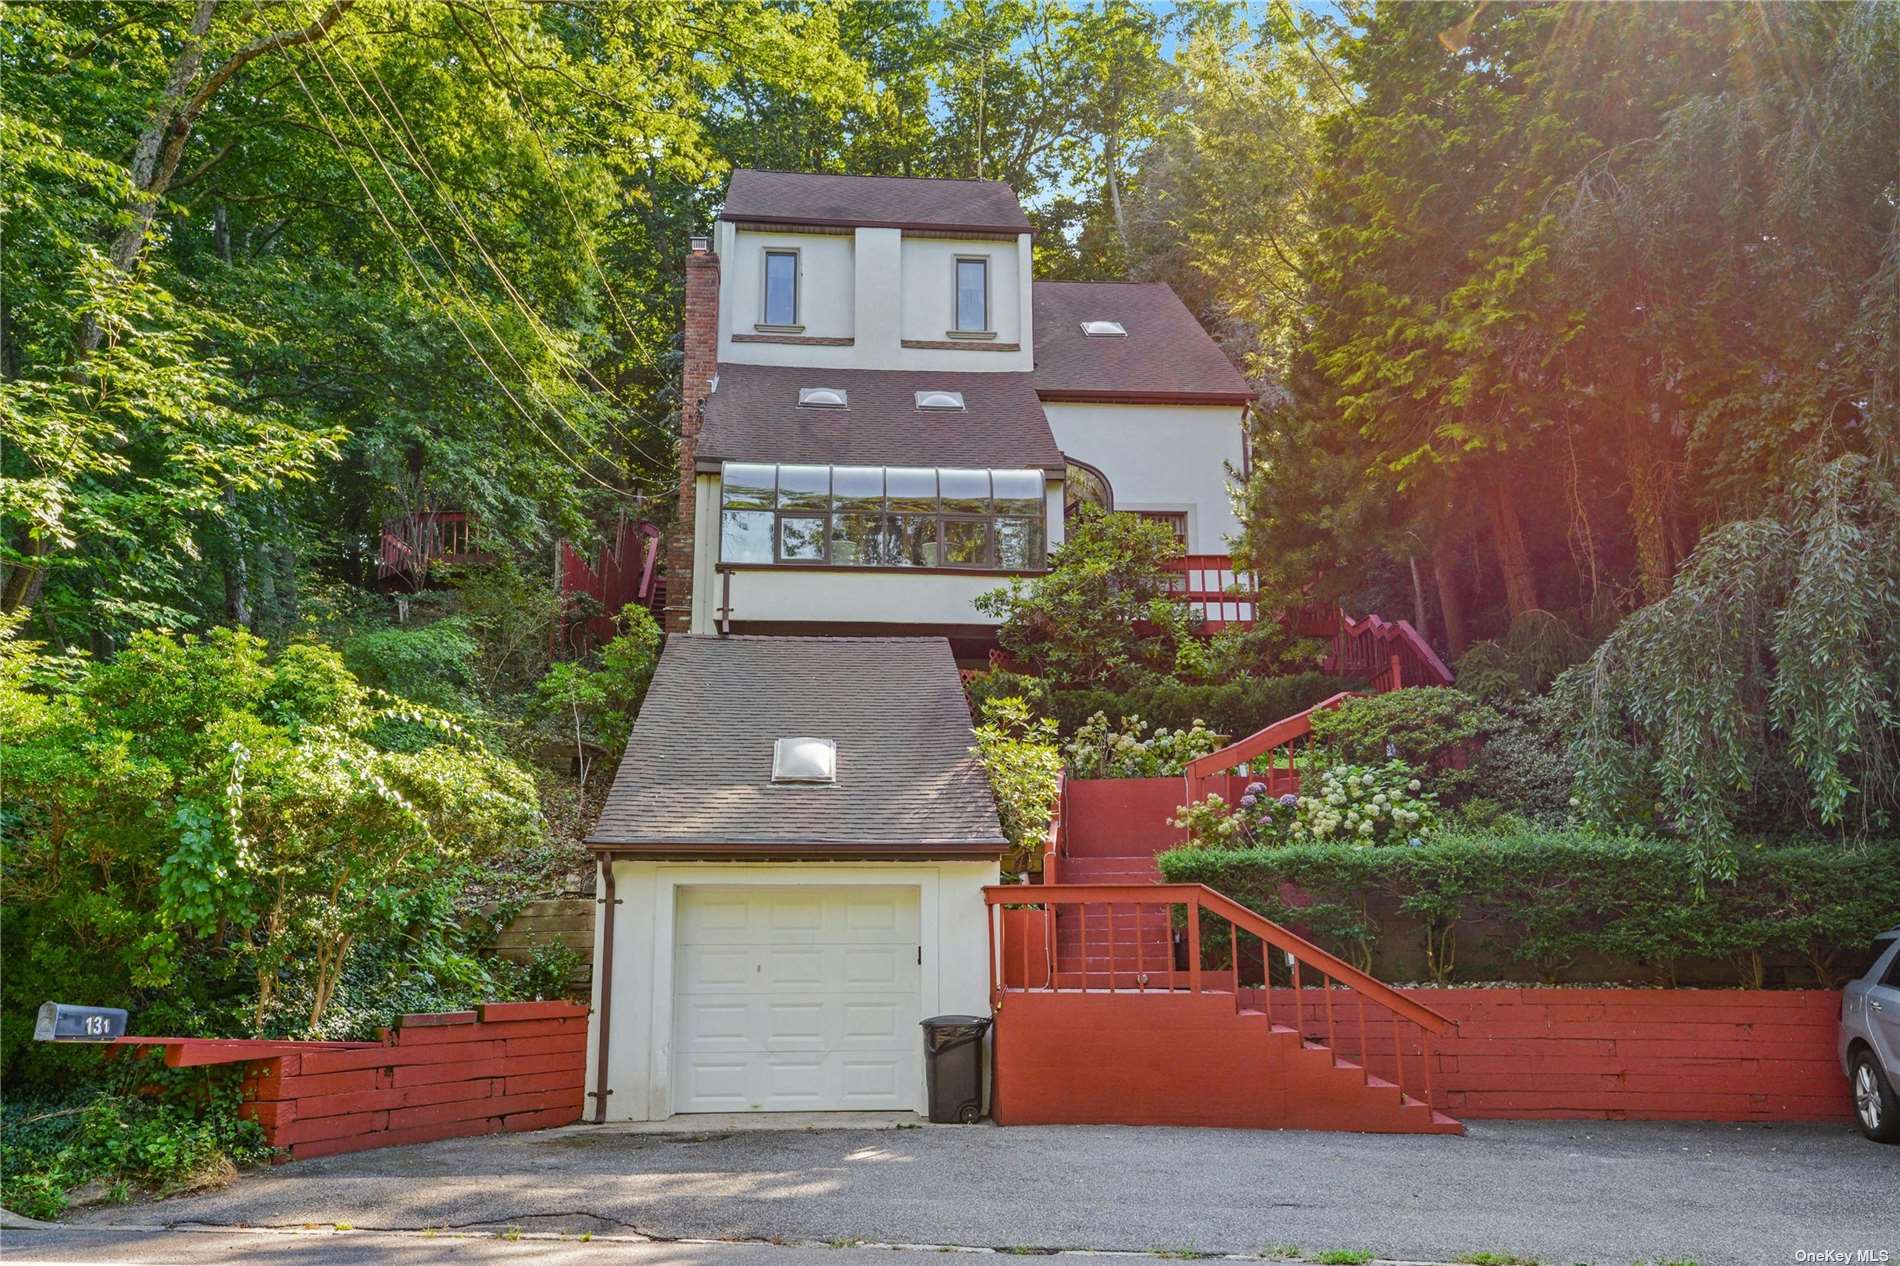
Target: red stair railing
<point>1262,752</point>
<point>1309,993</point>
<point>1390,653</point>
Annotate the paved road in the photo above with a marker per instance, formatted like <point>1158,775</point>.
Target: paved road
<point>1559,1192</point>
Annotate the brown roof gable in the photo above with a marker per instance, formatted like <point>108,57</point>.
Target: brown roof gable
<point>902,202</point>
<point>754,416</point>
<point>1167,356</point>
<point>696,779</point>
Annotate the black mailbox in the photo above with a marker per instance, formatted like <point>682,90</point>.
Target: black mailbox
<point>59,1022</point>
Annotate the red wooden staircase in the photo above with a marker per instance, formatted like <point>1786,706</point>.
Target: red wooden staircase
<point>1134,1004</point>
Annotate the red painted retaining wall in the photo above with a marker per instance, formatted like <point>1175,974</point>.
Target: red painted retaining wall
<point>1640,1054</point>
<point>505,1066</point>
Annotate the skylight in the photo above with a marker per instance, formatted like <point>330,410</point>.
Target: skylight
<point>805,760</point>
<point>943,400</point>
<point>821,397</point>
<point>1103,329</point>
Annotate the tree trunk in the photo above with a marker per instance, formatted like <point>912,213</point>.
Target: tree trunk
<point>1450,604</point>
<point>1514,560</point>
<point>1649,506</point>
<point>1419,621</point>
<point>1111,158</point>
<point>237,569</point>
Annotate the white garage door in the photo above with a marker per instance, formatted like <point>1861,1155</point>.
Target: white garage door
<point>797,999</point>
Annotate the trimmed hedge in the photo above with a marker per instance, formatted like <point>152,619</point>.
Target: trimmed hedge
<point>1234,709</point>
<point>1558,905</point>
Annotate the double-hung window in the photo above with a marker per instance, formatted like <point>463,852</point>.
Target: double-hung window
<point>882,516</point>
<point>973,295</point>
<point>781,288</point>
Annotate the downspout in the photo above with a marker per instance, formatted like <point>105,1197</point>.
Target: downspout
<point>724,623</point>
<point>607,902</point>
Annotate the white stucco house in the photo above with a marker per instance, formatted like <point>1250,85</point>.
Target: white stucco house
<point>886,415</point>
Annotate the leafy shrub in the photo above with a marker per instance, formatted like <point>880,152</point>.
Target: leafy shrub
<point>1361,805</point>
<point>1537,647</point>
<point>1625,908</point>
<point>1524,768</point>
<point>1127,750</point>
<point>585,705</point>
<point>432,664</point>
<point>1231,709</point>
<point>199,834</point>
<point>1092,618</point>
<point>138,1124</point>
<point>1435,729</point>
<point>1018,753</point>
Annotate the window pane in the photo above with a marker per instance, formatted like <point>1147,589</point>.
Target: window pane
<point>1019,544</point>
<point>1018,491</point>
<point>859,488</point>
<point>966,491</point>
<point>912,541</point>
<point>804,487</point>
<point>911,489</point>
<point>747,487</point>
<point>781,288</point>
<point>745,536</point>
<point>801,538</point>
<point>966,543</point>
<point>973,294</point>
<point>857,540</point>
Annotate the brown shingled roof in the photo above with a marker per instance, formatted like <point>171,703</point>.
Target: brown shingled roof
<point>696,779</point>
<point>904,202</point>
<point>1167,356</point>
<point>754,416</point>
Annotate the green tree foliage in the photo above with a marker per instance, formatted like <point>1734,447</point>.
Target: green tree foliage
<point>1764,691</point>
<point>1580,291</point>
<point>204,834</point>
<point>594,707</point>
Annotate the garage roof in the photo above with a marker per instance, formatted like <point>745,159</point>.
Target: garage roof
<point>696,780</point>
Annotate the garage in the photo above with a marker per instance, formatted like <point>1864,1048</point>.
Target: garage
<point>793,858</point>
<point>797,999</point>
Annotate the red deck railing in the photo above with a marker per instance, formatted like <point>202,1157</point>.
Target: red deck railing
<point>412,544</point>
<point>1390,653</point>
<point>1216,595</point>
<point>1160,938</point>
<point>625,573</point>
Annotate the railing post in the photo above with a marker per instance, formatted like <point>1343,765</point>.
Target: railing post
<point>1425,1057</point>
<point>1398,674</point>
<point>1194,942</point>
<point>1049,944</point>
<point>995,953</point>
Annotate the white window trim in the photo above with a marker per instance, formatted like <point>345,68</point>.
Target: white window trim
<point>762,325</point>
<point>989,308</point>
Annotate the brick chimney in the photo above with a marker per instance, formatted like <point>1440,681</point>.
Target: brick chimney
<point>701,360</point>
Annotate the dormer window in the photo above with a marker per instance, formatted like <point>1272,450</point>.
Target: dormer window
<point>940,401</point>
<point>805,760</point>
<point>822,397</point>
<point>779,310</point>
<point>1103,329</point>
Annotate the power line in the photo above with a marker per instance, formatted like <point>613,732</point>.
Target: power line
<point>422,274</point>
<point>448,268</point>
<point>420,158</point>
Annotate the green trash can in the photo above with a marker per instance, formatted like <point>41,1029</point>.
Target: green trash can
<point>953,1067</point>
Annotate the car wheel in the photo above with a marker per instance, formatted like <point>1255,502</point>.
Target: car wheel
<point>1876,1108</point>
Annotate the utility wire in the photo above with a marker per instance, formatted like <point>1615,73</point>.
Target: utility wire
<point>430,286</point>
<point>420,159</point>
<point>455,277</point>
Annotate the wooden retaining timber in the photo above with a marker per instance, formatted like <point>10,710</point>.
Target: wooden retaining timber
<point>565,920</point>
<point>503,1067</point>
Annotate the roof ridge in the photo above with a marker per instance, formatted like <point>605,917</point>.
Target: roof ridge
<point>866,175</point>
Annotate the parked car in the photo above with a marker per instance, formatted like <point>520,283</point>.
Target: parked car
<point>1870,1041</point>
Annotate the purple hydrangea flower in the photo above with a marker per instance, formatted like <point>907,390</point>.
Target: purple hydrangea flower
<point>1290,800</point>
<point>1256,788</point>
<point>1248,802</point>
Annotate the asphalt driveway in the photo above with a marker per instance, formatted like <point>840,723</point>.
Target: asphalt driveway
<point>1558,1192</point>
